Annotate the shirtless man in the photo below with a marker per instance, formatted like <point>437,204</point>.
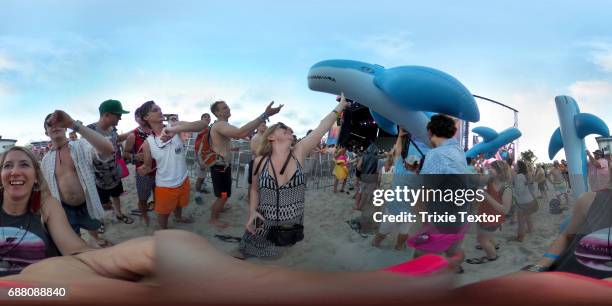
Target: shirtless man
<point>558,182</point>
<point>69,171</point>
<point>221,134</point>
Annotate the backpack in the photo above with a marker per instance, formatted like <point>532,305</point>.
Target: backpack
<point>203,150</point>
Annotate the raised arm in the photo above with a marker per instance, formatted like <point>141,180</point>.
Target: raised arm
<point>129,146</point>
<point>306,145</point>
<point>102,145</point>
<point>182,126</point>
<point>231,131</point>
<point>397,148</point>
<point>146,168</point>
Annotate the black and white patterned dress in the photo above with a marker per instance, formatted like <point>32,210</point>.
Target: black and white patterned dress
<point>291,210</point>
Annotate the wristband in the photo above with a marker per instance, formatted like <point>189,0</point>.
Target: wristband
<point>76,126</point>
<point>535,268</point>
<point>263,117</point>
<point>551,255</point>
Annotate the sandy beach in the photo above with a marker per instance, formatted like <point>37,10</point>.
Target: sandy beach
<point>330,244</point>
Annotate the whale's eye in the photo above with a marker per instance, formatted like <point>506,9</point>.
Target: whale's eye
<point>367,69</point>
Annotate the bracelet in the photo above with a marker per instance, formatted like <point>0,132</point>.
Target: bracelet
<point>336,112</point>
<point>263,117</point>
<point>76,125</point>
<point>551,255</point>
<point>535,268</point>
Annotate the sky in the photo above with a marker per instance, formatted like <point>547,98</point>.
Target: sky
<point>72,55</point>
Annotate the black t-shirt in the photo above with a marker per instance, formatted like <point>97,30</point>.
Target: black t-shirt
<point>23,241</point>
<point>590,253</point>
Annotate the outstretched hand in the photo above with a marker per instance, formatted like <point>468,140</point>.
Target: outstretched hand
<point>60,118</point>
<point>271,111</point>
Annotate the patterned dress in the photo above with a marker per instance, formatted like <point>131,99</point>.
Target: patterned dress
<point>290,211</point>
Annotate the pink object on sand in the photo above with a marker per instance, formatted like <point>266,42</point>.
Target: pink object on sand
<point>423,265</point>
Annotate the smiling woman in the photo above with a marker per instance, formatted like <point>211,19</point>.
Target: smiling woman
<point>32,224</point>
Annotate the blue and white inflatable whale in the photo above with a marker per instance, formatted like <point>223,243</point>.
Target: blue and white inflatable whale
<point>492,141</point>
<point>574,126</point>
<point>405,96</point>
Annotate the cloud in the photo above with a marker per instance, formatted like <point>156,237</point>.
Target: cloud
<point>6,63</point>
<point>385,47</point>
<point>601,55</point>
<point>593,93</point>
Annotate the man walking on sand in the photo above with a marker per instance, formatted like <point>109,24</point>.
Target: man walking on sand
<point>221,135</point>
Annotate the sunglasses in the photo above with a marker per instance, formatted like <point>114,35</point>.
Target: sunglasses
<point>283,126</point>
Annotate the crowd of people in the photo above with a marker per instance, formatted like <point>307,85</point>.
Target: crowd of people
<point>80,178</point>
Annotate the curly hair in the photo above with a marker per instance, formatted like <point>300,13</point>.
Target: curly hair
<point>442,126</point>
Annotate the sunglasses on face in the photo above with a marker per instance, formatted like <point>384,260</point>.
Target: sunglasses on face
<point>284,127</point>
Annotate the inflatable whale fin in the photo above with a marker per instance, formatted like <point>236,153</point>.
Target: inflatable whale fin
<point>486,133</point>
<point>428,89</point>
<point>384,123</point>
<point>587,124</point>
<point>556,143</point>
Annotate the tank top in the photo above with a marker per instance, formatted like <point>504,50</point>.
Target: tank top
<point>590,253</point>
<point>139,138</point>
<point>486,207</point>
<point>23,241</point>
<point>170,158</point>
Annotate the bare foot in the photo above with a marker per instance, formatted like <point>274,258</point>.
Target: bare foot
<point>218,223</point>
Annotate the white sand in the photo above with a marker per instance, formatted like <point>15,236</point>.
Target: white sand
<point>330,244</point>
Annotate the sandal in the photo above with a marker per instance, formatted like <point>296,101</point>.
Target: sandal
<point>101,229</point>
<point>184,220</point>
<point>481,260</point>
<point>125,219</point>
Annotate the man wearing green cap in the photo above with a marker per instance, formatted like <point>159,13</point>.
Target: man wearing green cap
<point>108,179</point>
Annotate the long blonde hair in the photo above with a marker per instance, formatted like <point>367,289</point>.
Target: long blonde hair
<point>502,169</point>
<point>264,148</point>
<point>34,203</point>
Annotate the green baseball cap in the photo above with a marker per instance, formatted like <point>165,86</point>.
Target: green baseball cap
<point>112,106</point>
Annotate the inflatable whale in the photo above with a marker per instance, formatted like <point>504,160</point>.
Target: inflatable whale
<point>404,96</point>
<point>492,141</point>
<point>573,128</point>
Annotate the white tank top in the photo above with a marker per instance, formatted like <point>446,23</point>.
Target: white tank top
<point>170,159</point>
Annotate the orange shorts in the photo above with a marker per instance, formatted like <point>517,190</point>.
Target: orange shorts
<point>168,199</point>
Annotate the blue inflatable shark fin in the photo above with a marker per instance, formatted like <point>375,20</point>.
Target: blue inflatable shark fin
<point>486,133</point>
<point>384,123</point>
<point>556,143</point>
<point>420,88</point>
<point>587,124</point>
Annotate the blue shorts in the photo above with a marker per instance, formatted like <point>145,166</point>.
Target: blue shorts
<point>78,217</point>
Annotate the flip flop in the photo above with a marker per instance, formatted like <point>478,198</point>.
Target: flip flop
<point>227,238</point>
<point>481,260</point>
<point>125,219</point>
<point>101,229</point>
<point>355,226</point>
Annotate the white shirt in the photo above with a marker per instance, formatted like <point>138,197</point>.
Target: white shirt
<point>170,159</point>
<point>521,191</point>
